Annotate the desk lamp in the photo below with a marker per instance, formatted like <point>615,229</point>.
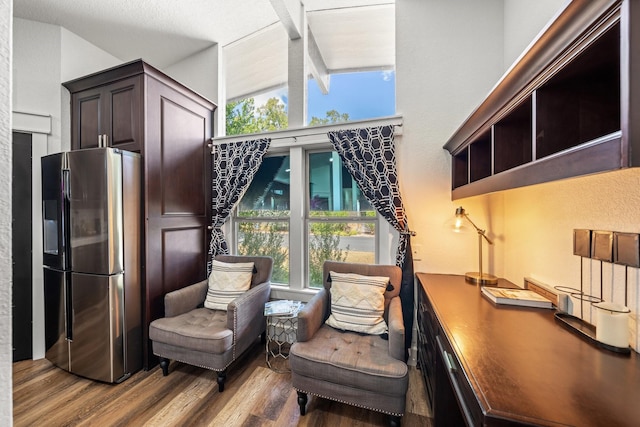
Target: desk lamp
<point>458,226</point>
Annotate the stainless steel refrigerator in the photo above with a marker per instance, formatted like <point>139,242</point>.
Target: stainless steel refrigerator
<point>91,205</point>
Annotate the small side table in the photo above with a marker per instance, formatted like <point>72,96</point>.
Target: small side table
<point>281,333</point>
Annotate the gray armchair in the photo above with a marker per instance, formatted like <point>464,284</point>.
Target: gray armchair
<point>362,370</point>
<point>212,339</point>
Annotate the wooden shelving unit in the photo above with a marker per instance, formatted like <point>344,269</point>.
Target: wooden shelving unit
<point>564,110</point>
<point>480,157</point>
<point>512,138</point>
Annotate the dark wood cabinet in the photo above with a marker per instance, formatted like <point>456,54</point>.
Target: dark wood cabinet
<point>109,116</point>
<point>141,109</point>
<point>491,365</point>
<point>426,343</point>
<point>565,109</point>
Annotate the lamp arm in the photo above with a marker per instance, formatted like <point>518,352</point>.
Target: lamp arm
<point>478,229</point>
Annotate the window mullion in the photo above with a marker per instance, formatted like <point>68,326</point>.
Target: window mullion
<point>297,231</point>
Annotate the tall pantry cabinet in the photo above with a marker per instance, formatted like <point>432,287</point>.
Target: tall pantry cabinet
<point>136,107</point>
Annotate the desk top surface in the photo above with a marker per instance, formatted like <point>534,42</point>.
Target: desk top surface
<point>523,365</point>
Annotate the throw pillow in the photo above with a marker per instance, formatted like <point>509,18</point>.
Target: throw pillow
<point>357,303</point>
<point>227,281</point>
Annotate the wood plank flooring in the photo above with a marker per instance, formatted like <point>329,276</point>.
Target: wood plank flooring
<point>44,395</point>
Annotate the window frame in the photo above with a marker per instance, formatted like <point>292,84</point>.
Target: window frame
<point>298,141</point>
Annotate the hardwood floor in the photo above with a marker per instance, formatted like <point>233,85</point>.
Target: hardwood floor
<point>45,395</point>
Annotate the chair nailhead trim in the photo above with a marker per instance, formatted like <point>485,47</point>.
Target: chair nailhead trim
<point>199,366</point>
<point>349,403</point>
<point>235,331</point>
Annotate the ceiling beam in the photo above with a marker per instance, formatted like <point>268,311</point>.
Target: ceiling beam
<point>290,14</point>
<point>317,66</point>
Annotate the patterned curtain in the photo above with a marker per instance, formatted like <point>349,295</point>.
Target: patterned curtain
<point>234,166</point>
<point>369,156</point>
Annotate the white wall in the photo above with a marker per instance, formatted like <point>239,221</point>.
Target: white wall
<point>539,224</point>
<point>523,21</point>
<point>36,73</point>
<point>6,353</point>
<point>203,72</point>
<point>199,72</point>
<point>448,56</point>
<point>78,57</point>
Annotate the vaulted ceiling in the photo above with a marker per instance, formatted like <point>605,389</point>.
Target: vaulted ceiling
<point>349,34</point>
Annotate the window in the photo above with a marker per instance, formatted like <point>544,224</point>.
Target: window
<point>261,113</point>
<point>341,222</point>
<point>335,220</point>
<point>351,49</point>
<point>353,96</point>
<point>262,220</point>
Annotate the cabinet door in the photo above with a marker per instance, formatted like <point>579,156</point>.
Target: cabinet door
<point>111,113</point>
<point>86,110</point>
<point>177,195</point>
<point>124,107</point>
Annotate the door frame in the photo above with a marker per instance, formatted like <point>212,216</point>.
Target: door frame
<point>21,244</point>
<point>39,126</point>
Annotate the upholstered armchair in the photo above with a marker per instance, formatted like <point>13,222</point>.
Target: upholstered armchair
<point>210,324</point>
<point>363,367</point>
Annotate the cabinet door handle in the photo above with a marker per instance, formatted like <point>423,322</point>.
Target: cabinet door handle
<point>448,359</point>
<point>103,140</point>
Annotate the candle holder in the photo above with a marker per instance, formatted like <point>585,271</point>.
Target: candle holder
<point>604,338</point>
<point>612,324</point>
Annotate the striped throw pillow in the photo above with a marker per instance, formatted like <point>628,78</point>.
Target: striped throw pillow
<point>227,281</point>
<point>357,303</point>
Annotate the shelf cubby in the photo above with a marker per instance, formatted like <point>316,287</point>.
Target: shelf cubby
<point>480,157</point>
<point>567,108</point>
<point>461,168</point>
<point>512,138</point>
<point>582,101</point>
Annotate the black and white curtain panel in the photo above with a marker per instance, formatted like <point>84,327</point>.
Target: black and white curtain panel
<point>234,166</point>
<point>369,156</point>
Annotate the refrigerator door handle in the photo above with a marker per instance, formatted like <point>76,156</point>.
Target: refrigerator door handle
<point>69,308</point>
<point>66,184</point>
<point>64,218</point>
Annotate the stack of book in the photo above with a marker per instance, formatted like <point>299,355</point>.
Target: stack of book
<point>282,308</point>
<point>521,297</point>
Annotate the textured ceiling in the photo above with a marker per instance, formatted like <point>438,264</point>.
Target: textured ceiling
<point>165,31</point>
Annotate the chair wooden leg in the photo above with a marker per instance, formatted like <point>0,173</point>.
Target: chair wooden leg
<point>302,402</point>
<point>222,376</point>
<point>394,421</point>
<point>164,364</point>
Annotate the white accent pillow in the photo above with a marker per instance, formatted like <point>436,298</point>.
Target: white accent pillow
<point>357,303</point>
<point>227,281</point>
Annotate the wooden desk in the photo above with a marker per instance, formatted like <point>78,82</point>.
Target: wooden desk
<point>516,366</point>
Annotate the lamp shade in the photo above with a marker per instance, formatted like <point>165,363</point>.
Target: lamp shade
<point>461,223</point>
<point>458,222</point>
